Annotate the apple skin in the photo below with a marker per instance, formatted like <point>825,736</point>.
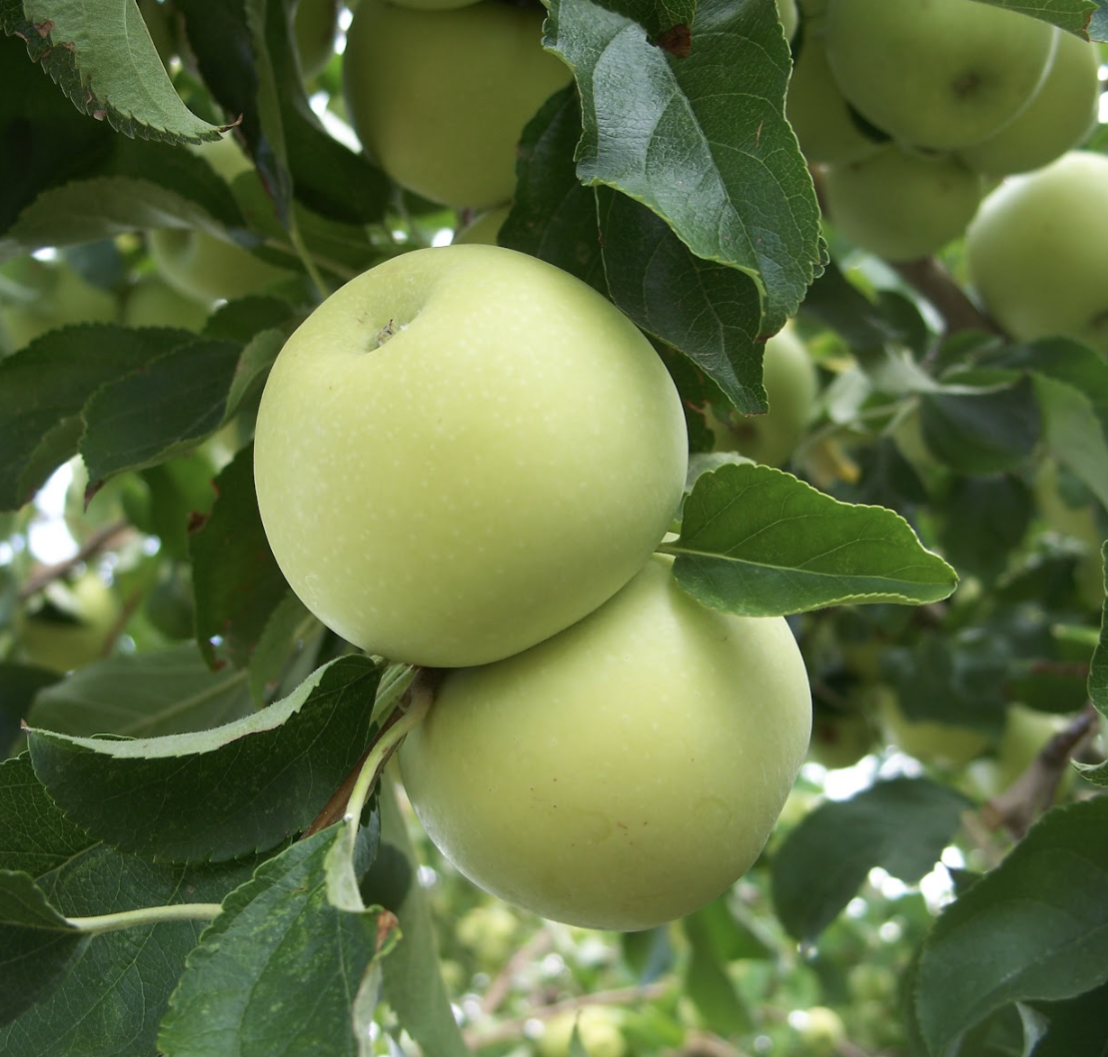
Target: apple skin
<point>439,98</point>
<point>941,74</point>
<point>599,1029</point>
<point>1037,251</point>
<point>51,295</point>
<point>65,645</point>
<point>205,268</point>
<point>791,384</point>
<point>623,773</point>
<point>1059,117</point>
<point>490,473</point>
<point>484,229</point>
<point>788,16</point>
<point>152,302</point>
<point>817,111</point>
<point>941,744</point>
<point>313,24</point>
<point>901,205</point>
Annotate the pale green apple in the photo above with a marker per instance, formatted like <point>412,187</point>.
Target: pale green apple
<point>152,302</point>
<point>624,772</point>
<point>902,205</point>
<point>788,16</point>
<point>439,98</point>
<point>942,744</point>
<point>463,451</point>
<point>821,118</point>
<point>599,1029</point>
<point>205,268</point>
<point>1059,117</point>
<point>1037,251</point>
<point>76,627</point>
<point>791,383</point>
<point>485,228</point>
<point>314,23</point>
<point>36,297</point>
<point>1026,732</point>
<point>942,74</point>
<point>822,1031</point>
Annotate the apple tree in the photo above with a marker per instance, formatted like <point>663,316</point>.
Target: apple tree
<point>555,529</point>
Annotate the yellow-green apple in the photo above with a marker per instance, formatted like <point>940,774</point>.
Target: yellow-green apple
<point>1037,251</point>
<point>941,74</point>
<point>439,98</point>
<point>823,1031</point>
<point>1026,732</point>
<point>463,451</point>
<point>199,265</point>
<point>821,118</point>
<point>942,744</point>
<point>313,29</point>
<point>36,297</point>
<point>74,628</point>
<point>152,302</point>
<point>902,205</point>
<point>791,383</point>
<point>624,772</point>
<point>484,229</point>
<point>599,1029</point>
<point>788,16</point>
<point>1059,117</point>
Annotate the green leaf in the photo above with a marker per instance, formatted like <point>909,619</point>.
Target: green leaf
<point>1098,685</point>
<point>284,634</point>
<point>900,825</point>
<point>1031,928</point>
<point>222,793</point>
<point>701,140</point>
<point>758,542</point>
<point>1074,433</point>
<point>236,579</point>
<point>44,387</point>
<point>164,409</point>
<point>707,983</point>
<point>144,695</point>
<point>1072,15</point>
<point>413,983</point>
<point>280,962</point>
<point>118,984</point>
<point>1075,1028</point>
<point>37,944</point>
<point>101,56</point>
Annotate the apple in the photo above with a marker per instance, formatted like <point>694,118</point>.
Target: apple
<point>826,129</point>
<point>599,1029</point>
<point>902,205</point>
<point>439,98</point>
<point>74,627</point>
<point>624,772</point>
<point>314,23</point>
<point>822,1031</point>
<point>491,931</point>
<point>36,296</point>
<point>1037,251</point>
<point>942,74</point>
<point>152,302</point>
<point>788,16</point>
<point>941,744</point>
<point>1078,522</point>
<point>484,229</point>
<point>1026,732</point>
<point>791,384</point>
<point>1059,117</point>
<point>463,451</point>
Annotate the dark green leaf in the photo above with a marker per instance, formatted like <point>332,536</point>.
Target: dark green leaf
<point>236,579</point>
<point>758,542</point>
<point>1072,15</point>
<point>983,519</point>
<point>1045,907</point>
<point>18,685</point>
<point>1076,1028</point>
<point>901,825</point>
<point>1098,684</point>
<point>222,793</point>
<point>707,983</point>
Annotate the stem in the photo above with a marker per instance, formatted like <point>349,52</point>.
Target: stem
<point>129,919</point>
<point>305,257</point>
<point>100,540</point>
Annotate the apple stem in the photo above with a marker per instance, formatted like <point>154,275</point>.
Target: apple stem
<point>129,919</point>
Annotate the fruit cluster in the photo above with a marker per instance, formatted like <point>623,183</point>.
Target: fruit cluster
<point>492,453</point>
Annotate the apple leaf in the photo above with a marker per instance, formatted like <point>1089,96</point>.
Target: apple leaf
<point>1074,1028</point>
<point>236,579</point>
<point>900,825</point>
<point>412,978</point>
<point>1071,15</point>
<point>1045,906</point>
<point>222,793</point>
<point>91,1008</point>
<point>707,984</point>
<point>759,542</point>
<point>282,638</point>
<point>18,685</point>
<point>281,961</point>
<point>1098,685</point>
<point>169,691</point>
<point>708,117</point>
<point>45,386</point>
<point>101,56</point>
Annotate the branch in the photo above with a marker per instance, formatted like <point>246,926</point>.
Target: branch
<point>936,285</point>
<point>102,539</point>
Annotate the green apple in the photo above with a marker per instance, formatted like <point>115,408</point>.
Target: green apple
<point>599,1029</point>
<point>440,98</point>
<point>463,451</point>
<point>1059,117</point>
<point>152,302</point>
<point>827,131</point>
<point>822,1031</point>
<point>36,297</point>
<point>1037,251</point>
<point>624,772</point>
<point>314,23</point>
<point>941,74</point>
<point>491,931</point>
<point>483,230</point>
<point>941,744</point>
<point>791,384</point>
<point>1078,522</point>
<point>902,205</point>
<point>788,16</point>
<point>205,268</point>
<point>74,628</point>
